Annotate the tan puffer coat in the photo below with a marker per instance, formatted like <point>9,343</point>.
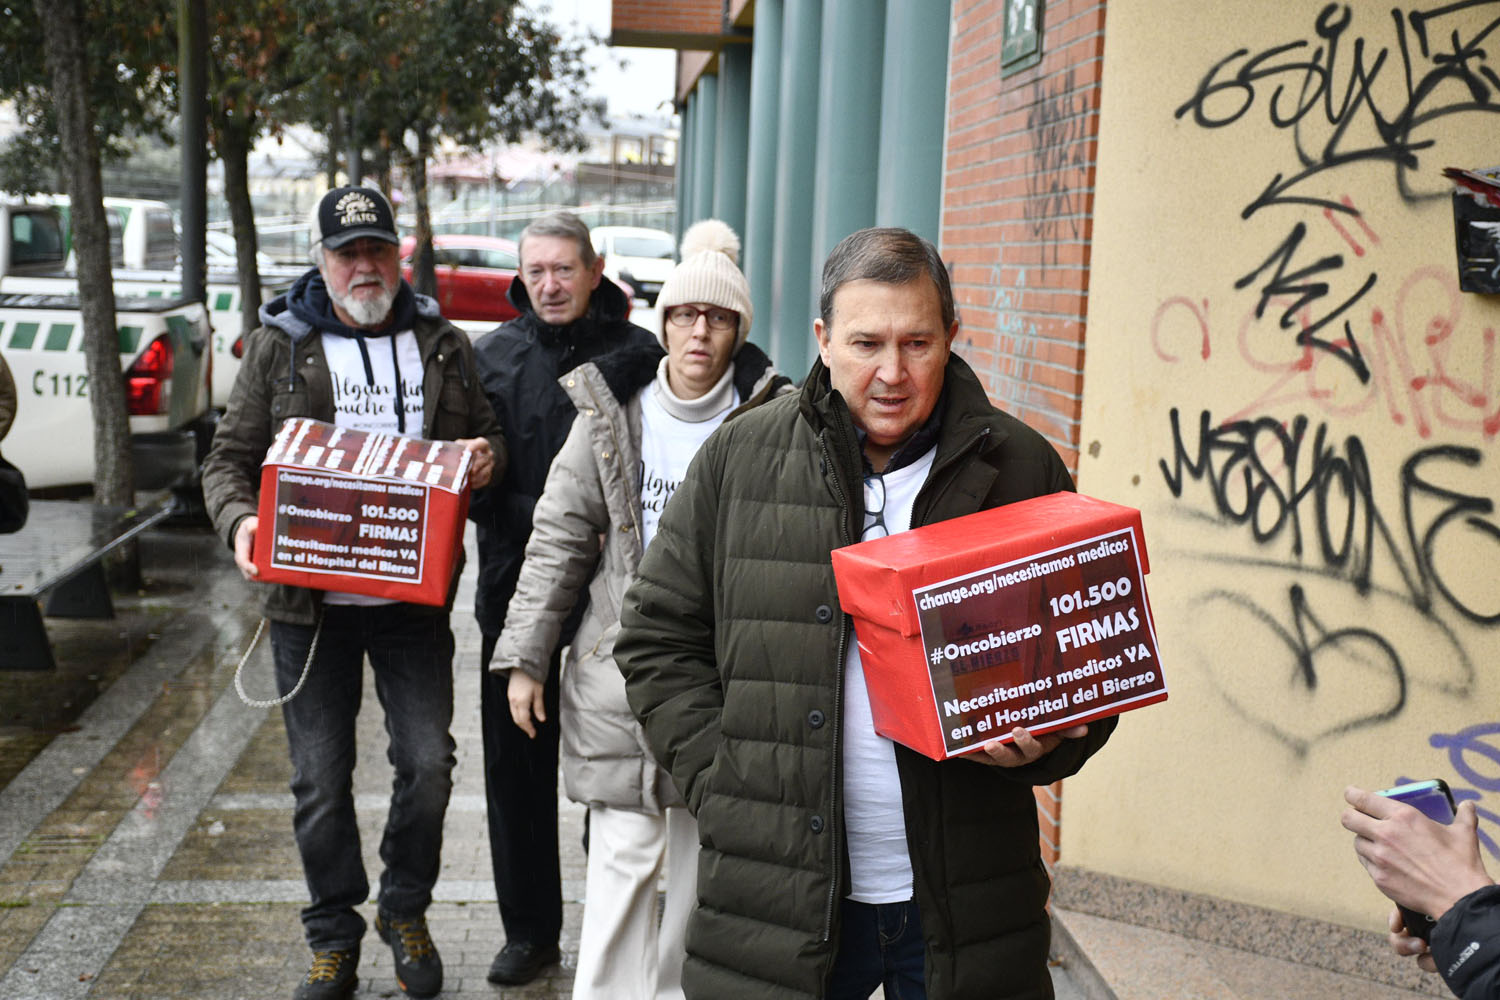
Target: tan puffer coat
<point>586,532</point>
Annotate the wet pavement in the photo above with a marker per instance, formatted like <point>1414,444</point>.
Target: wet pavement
<point>146,850</point>
<point>145,843</point>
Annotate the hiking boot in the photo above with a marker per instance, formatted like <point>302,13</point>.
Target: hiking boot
<point>331,977</point>
<point>419,970</point>
<point>521,962</point>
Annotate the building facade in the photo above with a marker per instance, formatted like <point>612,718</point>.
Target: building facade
<point>1209,252</point>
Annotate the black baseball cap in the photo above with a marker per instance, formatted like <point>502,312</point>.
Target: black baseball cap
<point>348,213</point>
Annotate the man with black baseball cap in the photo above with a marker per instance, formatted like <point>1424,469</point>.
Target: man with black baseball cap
<point>351,344</point>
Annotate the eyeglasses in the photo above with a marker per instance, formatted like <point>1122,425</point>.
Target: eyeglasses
<point>874,509</point>
<point>718,319</point>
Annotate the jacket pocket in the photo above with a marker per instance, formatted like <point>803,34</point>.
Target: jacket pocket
<point>289,402</point>
<point>451,420</point>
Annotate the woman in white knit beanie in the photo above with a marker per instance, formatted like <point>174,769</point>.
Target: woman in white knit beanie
<point>641,418</point>
<point>705,311</point>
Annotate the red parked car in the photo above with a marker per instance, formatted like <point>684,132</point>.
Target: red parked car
<point>473,276</point>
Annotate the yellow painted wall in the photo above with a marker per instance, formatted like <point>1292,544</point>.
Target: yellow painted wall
<point>1324,547</point>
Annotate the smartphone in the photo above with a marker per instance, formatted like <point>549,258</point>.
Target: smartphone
<point>1435,801</point>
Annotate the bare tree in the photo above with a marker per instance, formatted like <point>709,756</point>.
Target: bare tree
<point>64,28</point>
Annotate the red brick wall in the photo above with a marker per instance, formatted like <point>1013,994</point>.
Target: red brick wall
<point>691,17</point>
<point>1017,210</point>
<point>1017,204</point>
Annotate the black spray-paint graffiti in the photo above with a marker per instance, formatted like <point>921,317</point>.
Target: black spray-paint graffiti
<point>1058,124</point>
<point>1304,79</point>
<point>1309,504</point>
<point>1436,66</point>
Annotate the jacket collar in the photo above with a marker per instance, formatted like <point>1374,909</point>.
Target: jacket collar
<point>607,304</point>
<point>288,311</point>
<point>628,369</point>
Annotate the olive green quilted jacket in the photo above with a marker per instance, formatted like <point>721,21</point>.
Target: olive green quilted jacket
<point>732,647</point>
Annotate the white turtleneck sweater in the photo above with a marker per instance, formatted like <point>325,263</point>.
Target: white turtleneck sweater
<point>672,430</point>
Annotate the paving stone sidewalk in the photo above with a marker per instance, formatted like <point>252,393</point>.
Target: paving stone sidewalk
<point>145,844</point>
<point>146,847</point>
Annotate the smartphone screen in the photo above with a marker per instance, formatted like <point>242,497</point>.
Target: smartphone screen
<point>1431,797</point>
<point>1435,801</point>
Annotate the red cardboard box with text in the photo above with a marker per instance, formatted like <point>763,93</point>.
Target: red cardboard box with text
<point>361,512</point>
<point>1031,614</point>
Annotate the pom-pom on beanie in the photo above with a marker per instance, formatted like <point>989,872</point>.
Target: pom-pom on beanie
<point>709,273</point>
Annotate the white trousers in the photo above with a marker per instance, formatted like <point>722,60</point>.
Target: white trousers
<point>624,953</point>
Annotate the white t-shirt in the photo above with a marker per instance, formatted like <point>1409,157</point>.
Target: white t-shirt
<point>361,406</point>
<point>879,863</point>
<point>668,444</point>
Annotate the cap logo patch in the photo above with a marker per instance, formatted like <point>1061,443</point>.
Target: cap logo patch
<point>355,209</point>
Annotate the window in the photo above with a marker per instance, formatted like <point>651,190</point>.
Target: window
<point>1022,47</point>
<point>502,260</point>
<point>643,246</point>
<point>161,240</point>
<point>116,236</point>
<point>36,239</point>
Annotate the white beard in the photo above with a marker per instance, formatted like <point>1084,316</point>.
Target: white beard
<point>366,312</point>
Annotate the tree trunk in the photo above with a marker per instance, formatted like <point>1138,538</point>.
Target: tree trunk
<point>382,168</point>
<point>63,29</point>
<point>234,152</point>
<point>335,140</point>
<point>355,151</point>
<point>423,269</point>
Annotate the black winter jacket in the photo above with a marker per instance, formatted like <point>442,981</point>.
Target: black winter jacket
<point>519,364</point>
<point>733,649</point>
<point>1466,945</point>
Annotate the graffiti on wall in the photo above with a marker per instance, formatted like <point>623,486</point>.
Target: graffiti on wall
<point>1342,99</point>
<point>1344,489</point>
<point>1474,755</point>
<point>1058,126</point>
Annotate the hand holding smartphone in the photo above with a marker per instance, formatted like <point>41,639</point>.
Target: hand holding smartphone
<point>1434,800</point>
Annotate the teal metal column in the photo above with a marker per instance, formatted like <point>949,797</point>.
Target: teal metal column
<point>734,135</point>
<point>760,170</point>
<point>706,127</point>
<point>844,182</point>
<point>913,105</point>
<point>792,309</point>
<point>685,164</point>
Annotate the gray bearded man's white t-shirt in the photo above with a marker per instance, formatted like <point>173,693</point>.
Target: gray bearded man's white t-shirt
<point>364,404</point>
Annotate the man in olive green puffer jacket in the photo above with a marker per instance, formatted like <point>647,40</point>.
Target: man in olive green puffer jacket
<point>833,859</point>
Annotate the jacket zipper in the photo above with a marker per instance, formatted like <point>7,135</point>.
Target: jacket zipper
<point>836,812</point>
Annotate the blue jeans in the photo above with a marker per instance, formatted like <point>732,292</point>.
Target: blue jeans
<point>411,654</point>
<point>880,944</point>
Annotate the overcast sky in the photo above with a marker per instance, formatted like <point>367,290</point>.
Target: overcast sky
<point>643,85</point>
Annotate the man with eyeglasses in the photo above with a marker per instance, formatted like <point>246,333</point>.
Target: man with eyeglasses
<point>835,861</point>
<point>569,313</point>
<point>351,344</point>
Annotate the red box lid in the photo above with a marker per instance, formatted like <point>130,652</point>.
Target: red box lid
<point>891,568</point>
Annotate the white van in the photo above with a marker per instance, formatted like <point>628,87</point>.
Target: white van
<point>165,358</point>
<point>144,242</point>
<point>640,257</point>
<point>166,365</point>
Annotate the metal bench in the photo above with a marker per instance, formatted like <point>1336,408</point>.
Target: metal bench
<point>53,566</point>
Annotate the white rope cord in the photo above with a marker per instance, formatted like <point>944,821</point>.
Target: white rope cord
<point>274,702</point>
